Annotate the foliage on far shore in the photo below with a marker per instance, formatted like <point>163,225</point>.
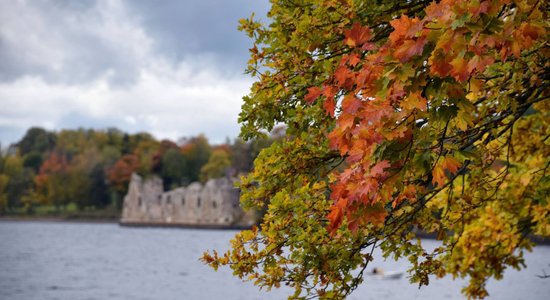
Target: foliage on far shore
<point>51,173</point>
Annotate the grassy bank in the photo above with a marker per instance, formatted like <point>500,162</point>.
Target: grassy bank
<point>66,213</point>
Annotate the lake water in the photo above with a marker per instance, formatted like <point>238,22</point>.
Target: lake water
<point>50,260</point>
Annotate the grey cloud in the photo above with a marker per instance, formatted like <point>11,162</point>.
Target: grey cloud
<point>194,27</point>
<point>133,64</point>
<point>72,41</point>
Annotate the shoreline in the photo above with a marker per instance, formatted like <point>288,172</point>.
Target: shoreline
<point>78,219</point>
<point>182,225</point>
<point>54,219</point>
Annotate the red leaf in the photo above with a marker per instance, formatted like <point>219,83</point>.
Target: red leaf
<point>479,63</point>
<point>357,35</point>
<point>438,176</point>
<point>440,64</point>
<point>368,186</point>
<point>460,69</point>
<point>351,104</point>
<point>330,105</point>
<point>330,91</point>
<point>355,154</point>
<point>343,76</point>
<point>336,215</point>
<point>404,27</point>
<point>378,169</point>
<point>312,94</point>
<point>450,164</point>
<point>409,48</point>
<point>346,121</point>
<point>353,59</point>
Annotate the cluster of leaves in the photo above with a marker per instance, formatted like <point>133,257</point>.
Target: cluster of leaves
<point>403,116</point>
<point>92,168</point>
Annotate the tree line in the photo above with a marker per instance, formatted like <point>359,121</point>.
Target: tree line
<point>92,168</point>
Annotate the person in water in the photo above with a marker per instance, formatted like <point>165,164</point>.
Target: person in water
<point>377,271</point>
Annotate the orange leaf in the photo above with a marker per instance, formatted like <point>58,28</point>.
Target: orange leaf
<point>438,176</point>
<point>404,27</point>
<point>351,104</point>
<point>312,94</point>
<point>450,164</point>
<point>414,101</point>
<point>346,121</point>
<point>410,48</point>
<point>330,105</point>
<point>357,35</point>
<point>378,169</point>
<point>355,154</point>
<point>344,77</point>
<point>460,69</point>
<point>336,215</point>
<point>479,63</point>
<point>439,64</point>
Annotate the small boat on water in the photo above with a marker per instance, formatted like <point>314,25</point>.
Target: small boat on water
<point>378,273</point>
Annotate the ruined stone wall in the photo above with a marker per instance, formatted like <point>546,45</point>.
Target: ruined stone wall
<point>215,203</point>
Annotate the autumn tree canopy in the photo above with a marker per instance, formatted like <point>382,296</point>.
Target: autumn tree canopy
<point>402,117</point>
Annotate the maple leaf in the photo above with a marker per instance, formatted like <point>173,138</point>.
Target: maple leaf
<point>330,106</point>
<point>478,8</point>
<point>330,91</point>
<point>375,214</point>
<point>479,63</point>
<point>344,77</point>
<point>527,34</point>
<point>353,59</point>
<point>355,154</point>
<point>404,27</point>
<point>312,94</point>
<point>408,193</point>
<point>336,215</point>
<point>440,63</point>
<point>438,176</point>
<point>357,35</point>
<point>410,48</point>
<point>351,104</point>
<point>378,169</point>
<point>414,101</point>
<point>460,69</point>
<point>338,190</point>
<point>448,163</point>
<point>439,11</point>
<point>346,121</point>
<point>366,187</point>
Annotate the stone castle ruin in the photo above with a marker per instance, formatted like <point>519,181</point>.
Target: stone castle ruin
<point>214,204</point>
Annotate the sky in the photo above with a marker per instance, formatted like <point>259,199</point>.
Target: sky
<point>171,68</point>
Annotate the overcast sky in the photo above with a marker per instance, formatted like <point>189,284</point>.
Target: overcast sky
<point>172,68</point>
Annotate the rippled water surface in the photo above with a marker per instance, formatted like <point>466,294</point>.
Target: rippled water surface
<point>48,260</point>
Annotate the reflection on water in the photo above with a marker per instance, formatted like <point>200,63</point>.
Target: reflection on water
<point>42,260</point>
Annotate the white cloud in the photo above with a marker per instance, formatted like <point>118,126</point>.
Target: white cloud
<point>167,100</point>
<point>168,104</point>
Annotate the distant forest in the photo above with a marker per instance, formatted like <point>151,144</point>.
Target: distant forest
<point>90,169</point>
